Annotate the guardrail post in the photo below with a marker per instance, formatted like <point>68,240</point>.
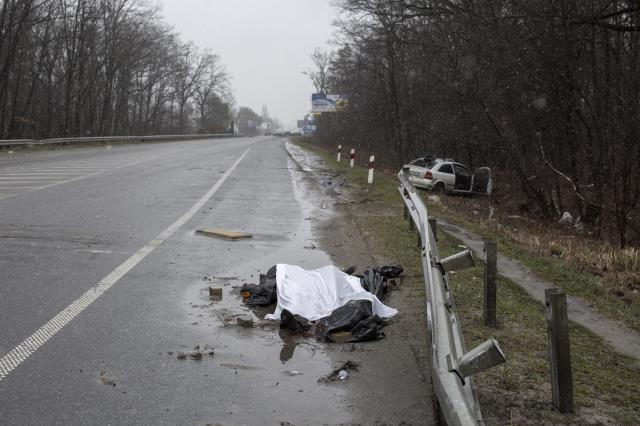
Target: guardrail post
<point>559,349</point>
<point>433,224</point>
<point>412,226</point>
<point>490,272</point>
<point>405,212</point>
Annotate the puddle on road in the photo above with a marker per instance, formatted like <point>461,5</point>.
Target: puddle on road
<point>264,357</point>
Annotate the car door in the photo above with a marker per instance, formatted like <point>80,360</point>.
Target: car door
<point>464,178</point>
<point>482,182</point>
<point>445,174</point>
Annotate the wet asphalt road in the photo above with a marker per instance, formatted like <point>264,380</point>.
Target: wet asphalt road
<point>69,218</point>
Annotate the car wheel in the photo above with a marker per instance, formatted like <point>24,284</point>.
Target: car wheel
<point>438,188</point>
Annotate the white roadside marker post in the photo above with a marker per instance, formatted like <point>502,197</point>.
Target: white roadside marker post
<point>339,152</point>
<point>372,159</point>
<point>353,157</point>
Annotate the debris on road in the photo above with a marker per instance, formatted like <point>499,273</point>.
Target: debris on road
<point>342,375</point>
<point>223,233</point>
<point>106,380</point>
<point>197,354</point>
<point>315,294</point>
<point>292,373</point>
<point>332,305</point>
<point>335,374</point>
<point>215,293</point>
<point>263,294</point>
<point>245,321</point>
<point>357,318</point>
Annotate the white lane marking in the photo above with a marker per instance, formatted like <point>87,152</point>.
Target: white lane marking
<point>72,179</point>
<point>25,173</point>
<point>32,343</point>
<point>27,177</point>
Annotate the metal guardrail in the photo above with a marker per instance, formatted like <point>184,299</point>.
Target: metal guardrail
<point>69,141</point>
<point>451,365</point>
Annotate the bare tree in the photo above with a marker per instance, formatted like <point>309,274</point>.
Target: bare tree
<point>319,74</point>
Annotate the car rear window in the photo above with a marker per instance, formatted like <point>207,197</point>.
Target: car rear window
<point>431,164</point>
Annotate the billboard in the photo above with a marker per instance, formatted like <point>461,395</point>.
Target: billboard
<point>307,126</point>
<point>327,103</point>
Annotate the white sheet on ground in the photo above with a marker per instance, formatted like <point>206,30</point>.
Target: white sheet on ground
<point>317,293</point>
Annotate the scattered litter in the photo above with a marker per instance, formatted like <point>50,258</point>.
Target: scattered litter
<point>434,199</point>
<point>342,375</point>
<point>106,380</point>
<point>222,233</point>
<point>343,308</point>
<point>233,366</point>
<point>245,321</point>
<point>566,219</point>
<point>263,294</point>
<point>292,373</point>
<point>350,270</point>
<point>357,318</point>
<point>195,355</point>
<point>373,282</point>
<point>215,293</point>
<point>389,271</point>
<point>346,367</point>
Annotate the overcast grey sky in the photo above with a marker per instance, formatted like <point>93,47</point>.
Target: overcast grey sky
<point>264,44</point>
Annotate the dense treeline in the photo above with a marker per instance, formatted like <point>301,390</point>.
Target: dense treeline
<point>546,92</point>
<point>100,68</point>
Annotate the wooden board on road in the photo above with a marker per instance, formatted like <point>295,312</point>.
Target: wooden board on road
<point>223,233</point>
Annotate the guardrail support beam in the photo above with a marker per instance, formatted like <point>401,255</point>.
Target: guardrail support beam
<point>490,290</point>
<point>559,349</point>
<point>433,224</point>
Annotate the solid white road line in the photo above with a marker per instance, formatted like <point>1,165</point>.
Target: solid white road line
<point>32,343</point>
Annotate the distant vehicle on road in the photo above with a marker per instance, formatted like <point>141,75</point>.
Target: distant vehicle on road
<point>438,175</point>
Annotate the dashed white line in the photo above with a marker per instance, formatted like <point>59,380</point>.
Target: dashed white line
<point>31,344</point>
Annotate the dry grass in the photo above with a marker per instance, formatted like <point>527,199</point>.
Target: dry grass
<point>585,267</point>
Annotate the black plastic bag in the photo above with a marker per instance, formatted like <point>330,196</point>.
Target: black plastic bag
<point>389,271</point>
<point>368,329</point>
<point>373,282</point>
<point>264,294</point>
<point>293,322</point>
<point>344,318</point>
<point>350,270</point>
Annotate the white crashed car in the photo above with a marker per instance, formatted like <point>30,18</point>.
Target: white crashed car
<point>441,176</point>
